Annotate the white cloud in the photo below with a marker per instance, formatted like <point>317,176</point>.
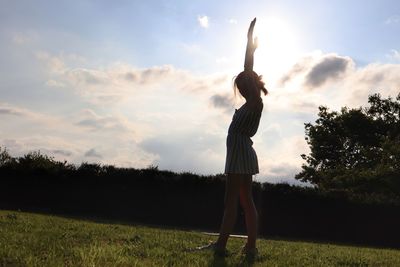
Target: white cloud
<point>279,155</point>
<point>7,109</point>
<point>24,38</point>
<point>90,120</point>
<point>81,137</point>
<point>55,64</point>
<point>232,21</point>
<point>60,63</point>
<point>222,60</point>
<point>203,21</point>
<point>336,81</point>
<point>193,151</point>
<point>373,78</point>
<point>318,70</point>
<point>120,82</point>
<point>223,101</point>
<point>54,83</point>
<point>393,19</point>
<point>92,153</point>
<point>394,55</point>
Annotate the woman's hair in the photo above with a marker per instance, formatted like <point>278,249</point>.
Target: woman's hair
<point>246,79</point>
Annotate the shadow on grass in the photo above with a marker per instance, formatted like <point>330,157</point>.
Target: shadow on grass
<point>217,261</point>
<point>247,261</point>
<point>243,261</point>
<point>330,242</point>
<point>97,219</point>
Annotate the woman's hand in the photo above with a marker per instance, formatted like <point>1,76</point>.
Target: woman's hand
<point>252,43</point>
<point>251,47</point>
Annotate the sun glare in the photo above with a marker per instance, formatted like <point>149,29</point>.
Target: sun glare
<point>278,47</point>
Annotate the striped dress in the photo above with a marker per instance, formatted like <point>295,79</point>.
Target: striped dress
<point>241,158</point>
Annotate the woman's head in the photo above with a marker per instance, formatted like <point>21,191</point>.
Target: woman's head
<point>247,80</point>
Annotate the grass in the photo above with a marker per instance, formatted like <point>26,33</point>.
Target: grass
<point>28,239</point>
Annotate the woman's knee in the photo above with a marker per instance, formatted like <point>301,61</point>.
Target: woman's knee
<point>246,204</point>
<point>246,199</point>
<point>232,189</point>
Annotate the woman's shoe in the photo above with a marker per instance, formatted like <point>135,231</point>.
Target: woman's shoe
<point>217,250</point>
<point>249,252</point>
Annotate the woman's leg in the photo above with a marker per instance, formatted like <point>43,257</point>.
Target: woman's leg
<point>233,182</point>
<point>247,203</point>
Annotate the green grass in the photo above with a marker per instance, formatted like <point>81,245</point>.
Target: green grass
<point>28,239</point>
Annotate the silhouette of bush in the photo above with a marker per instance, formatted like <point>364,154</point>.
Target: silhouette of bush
<point>5,158</point>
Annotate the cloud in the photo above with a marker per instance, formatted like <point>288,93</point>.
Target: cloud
<point>336,81</point>
<point>62,152</point>
<point>232,21</point>
<point>54,63</point>
<point>299,68</point>
<point>87,77</point>
<point>373,78</point>
<point>66,137</point>
<point>154,74</point>
<point>394,55</point>
<point>51,146</point>
<point>224,101</point>
<point>222,60</point>
<point>11,111</point>
<point>111,85</point>
<point>94,122</point>
<point>193,151</point>
<point>281,160</point>
<point>53,83</point>
<point>283,170</point>
<point>24,38</point>
<point>203,21</point>
<point>33,121</point>
<point>318,69</point>
<point>92,153</point>
<point>329,68</point>
<point>393,19</point>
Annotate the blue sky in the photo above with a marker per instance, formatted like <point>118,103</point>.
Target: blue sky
<point>135,83</point>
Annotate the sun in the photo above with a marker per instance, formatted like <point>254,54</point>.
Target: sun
<point>278,47</point>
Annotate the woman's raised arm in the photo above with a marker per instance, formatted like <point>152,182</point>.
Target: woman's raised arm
<point>251,47</point>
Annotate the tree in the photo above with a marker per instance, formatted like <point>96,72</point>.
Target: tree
<point>5,157</point>
<point>355,149</point>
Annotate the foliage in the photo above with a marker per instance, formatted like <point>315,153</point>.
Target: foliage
<point>5,157</point>
<point>33,163</point>
<point>357,150</point>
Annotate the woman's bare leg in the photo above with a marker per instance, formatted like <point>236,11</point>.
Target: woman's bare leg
<point>247,203</point>
<point>233,182</point>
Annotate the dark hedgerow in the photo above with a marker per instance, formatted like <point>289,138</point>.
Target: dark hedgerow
<point>36,182</point>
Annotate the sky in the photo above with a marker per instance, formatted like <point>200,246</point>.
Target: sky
<point>149,83</point>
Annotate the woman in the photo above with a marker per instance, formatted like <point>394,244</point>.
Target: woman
<point>241,159</point>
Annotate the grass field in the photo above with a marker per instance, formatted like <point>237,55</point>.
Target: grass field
<point>28,239</point>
